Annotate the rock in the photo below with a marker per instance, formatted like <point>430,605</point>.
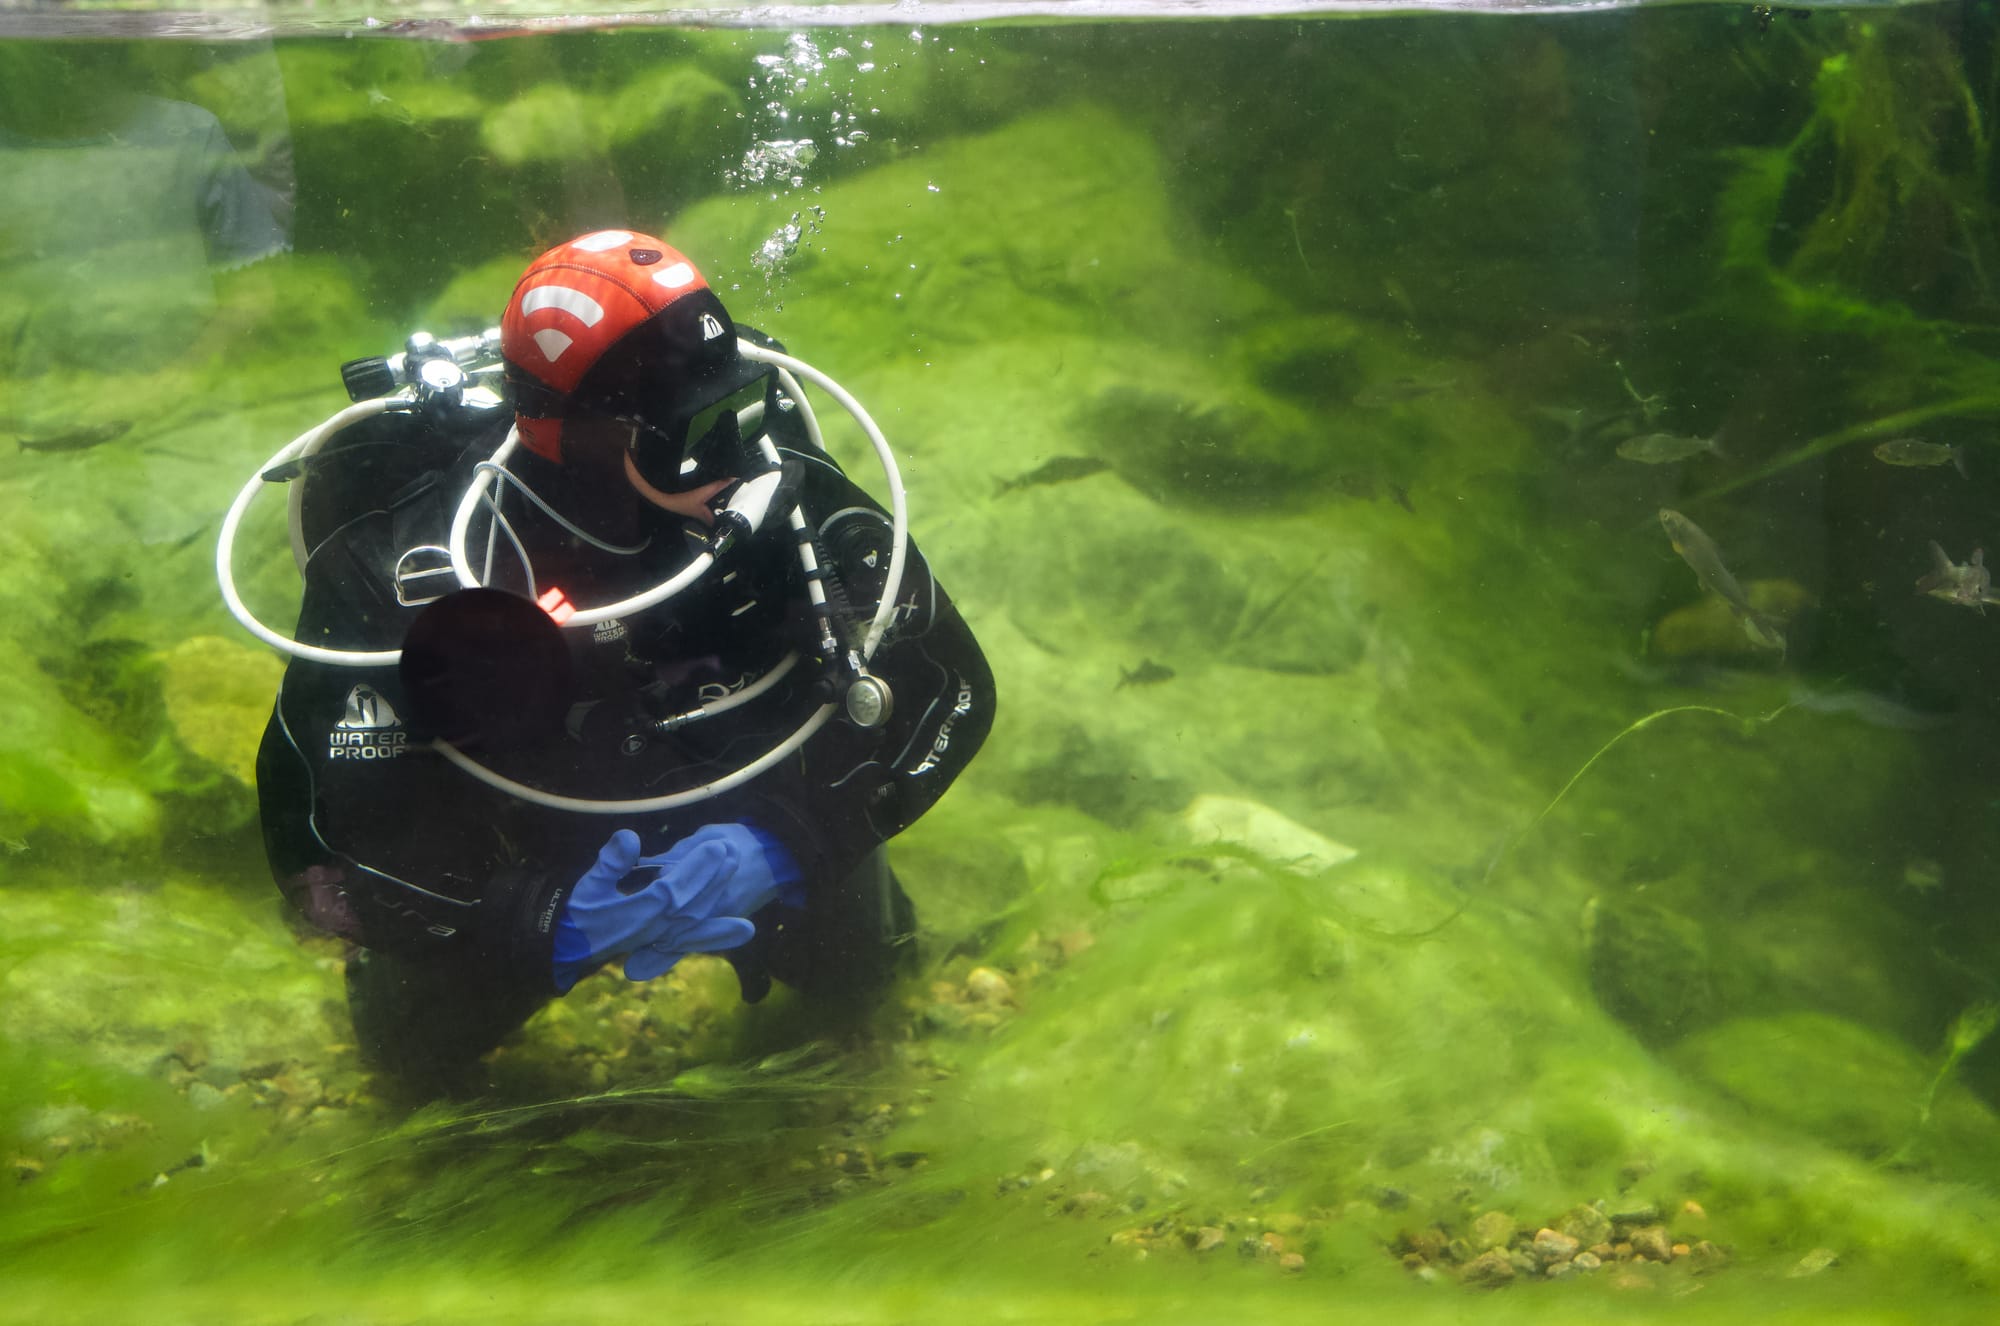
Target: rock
<point>943,1016</point>
<point>664,103</point>
<point>1552,1247</point>
<point>1209,1238</point>
<point>203,1096</point>
<point>1649,967</point>
<point>1489,1270</point>
<point>1292,1261</point>
<point>548,123</point>
<point>1710,629</point>
<point>1651,1242</point>
<point>1586,1224</point>
<point>62,769</point>
<point>1813,1263</point>
<point>1586,1261</point>
<point>1636,1216</point>
<point>1495,1229</point>
<point>1197,446</point>
<point>218,695</point>
<point>1260,829</point>
<point>1844,1084</point>
<point>1427,1244</point>
<point>983,985</point>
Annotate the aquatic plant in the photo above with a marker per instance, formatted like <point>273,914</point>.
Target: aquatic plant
<point>1870,221</point>
<point>1883,169</point>
<point>1968,1032</point>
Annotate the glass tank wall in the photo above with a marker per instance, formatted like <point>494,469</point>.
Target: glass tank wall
<point>1476,523</point>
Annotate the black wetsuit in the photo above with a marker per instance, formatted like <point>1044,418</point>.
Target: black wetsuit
<point>453,886</point>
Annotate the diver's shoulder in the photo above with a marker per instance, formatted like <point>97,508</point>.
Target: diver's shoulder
<point>386,463</point>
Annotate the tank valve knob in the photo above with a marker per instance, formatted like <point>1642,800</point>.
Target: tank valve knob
<point>367,379</point>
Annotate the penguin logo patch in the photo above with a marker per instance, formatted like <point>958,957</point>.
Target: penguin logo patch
<point>369,728</point>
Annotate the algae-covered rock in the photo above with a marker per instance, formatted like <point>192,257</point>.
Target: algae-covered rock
<point>1709,628</point>
<point>297,308</point>
<point>474,297</point>
<point>1846,1086</point>
<point>674,111</point>
<point>192,967</point>
<point>1023,228</point>
<point>1125,575</point>
<point>1099,770</point>
<point>669,119</point>
<point>1263,832</point>
<point>550,123</point>
<point>1320,358</point>
<point>960,870</point>
<point>1231,450</point>
<point>1651,967</point>
<point>59,769</point>
<point>218,694</point>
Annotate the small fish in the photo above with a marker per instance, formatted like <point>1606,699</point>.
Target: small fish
<point>1915,452</point>
<point>1922,874</point>
<point>1969,585</point>
<point>1059,470</point>
<point>1581,426</point>
<point>1665,448</point>
<point>1148,673</point>
<point>1705,560</point>
<point>76,439</point>
<point>1397,391</point>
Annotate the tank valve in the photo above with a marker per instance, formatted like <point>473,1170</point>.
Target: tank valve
<point>440,382</point>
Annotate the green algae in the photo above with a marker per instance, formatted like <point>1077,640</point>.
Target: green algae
<point>1398,626</point>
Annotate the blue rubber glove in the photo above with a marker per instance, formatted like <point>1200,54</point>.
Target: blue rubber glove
<point>696,897</point>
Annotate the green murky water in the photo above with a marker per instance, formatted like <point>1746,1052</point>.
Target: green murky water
<point>1386,849</point>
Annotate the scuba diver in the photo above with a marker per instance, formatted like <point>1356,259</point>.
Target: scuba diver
<point>601,658</point>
